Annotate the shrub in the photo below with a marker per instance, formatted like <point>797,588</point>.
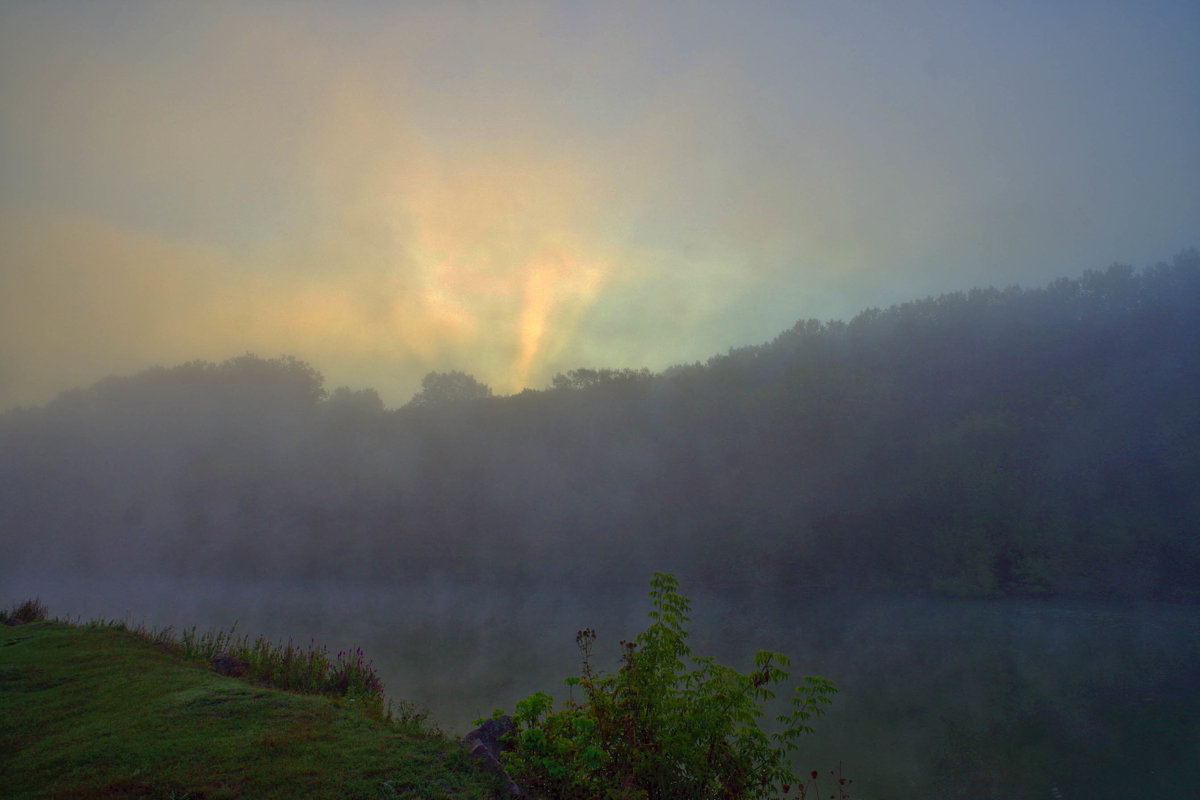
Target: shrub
<point>661,728</point>
<point>28,611</point>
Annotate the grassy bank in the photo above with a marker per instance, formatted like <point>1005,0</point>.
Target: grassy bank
<point>100,711</point>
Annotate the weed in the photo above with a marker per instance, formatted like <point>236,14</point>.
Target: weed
<point>306,670</point>
<point>804,788</point>
<point>28,611</point>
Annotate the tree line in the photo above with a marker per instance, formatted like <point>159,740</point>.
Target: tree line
<point>1033,442</point>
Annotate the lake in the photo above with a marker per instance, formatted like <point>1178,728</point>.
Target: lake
<point>938,698</point>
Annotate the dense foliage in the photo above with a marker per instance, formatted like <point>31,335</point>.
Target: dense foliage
<point>661,728</point>
<point>1018,442</point>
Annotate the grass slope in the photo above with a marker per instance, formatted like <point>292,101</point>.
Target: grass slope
<point>95,711</point>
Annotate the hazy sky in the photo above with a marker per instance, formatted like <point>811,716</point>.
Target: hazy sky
<point>517,189</point>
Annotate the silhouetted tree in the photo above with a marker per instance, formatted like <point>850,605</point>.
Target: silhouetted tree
<point>586,378</point>
<point>440,389</point>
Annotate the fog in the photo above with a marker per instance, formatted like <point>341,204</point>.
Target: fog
<point>516,190</point>
<point>438,328</point>
<point>991,443</point>
<point>974,512</point>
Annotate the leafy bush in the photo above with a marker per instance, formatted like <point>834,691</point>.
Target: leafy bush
<point>662,729</point>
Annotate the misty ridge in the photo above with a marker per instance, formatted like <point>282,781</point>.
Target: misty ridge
<point>1015,442</point>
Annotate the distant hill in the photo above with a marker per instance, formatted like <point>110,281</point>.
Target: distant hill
<point>1010,441</point>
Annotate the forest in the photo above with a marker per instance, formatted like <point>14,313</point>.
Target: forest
<point>1037,442</point>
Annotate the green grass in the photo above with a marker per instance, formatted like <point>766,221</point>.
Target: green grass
<point>100,711</point>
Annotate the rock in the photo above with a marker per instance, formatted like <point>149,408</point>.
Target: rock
<point>229,664</point>
<point>486,743</point>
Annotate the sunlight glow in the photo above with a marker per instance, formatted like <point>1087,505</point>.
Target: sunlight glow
<point>557,289</point>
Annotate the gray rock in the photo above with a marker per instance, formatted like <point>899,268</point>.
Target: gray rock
<point>487,742</point>
<point>229,664</point>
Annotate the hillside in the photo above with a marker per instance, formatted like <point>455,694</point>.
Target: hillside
<point>998,442</point>
<point>95,711</point>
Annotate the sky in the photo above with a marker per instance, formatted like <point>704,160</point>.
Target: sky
<point>517,189</point>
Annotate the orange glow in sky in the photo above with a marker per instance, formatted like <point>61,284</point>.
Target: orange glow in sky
<point>519,189</point>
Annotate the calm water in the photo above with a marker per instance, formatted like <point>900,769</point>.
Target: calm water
<point>939,699</point>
